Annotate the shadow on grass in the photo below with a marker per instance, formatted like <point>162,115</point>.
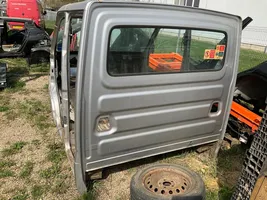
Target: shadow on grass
<point>229,167</point>
<point>19,73</point>
<point>138,164</point>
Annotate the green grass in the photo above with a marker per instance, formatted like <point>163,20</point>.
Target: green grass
<point>49,26</point>
<point>212,195</point>
<point>225,193</point>
<point>43,67</point>
<point>16,63</point>
<point>18,68</point>
<point>4,108</point>
<point>60,186</point>
<point>37,112</point>
<point>250,58</point>
<point>46,87</point>
<point>17,85</point>
<point>21,195</point>
<point>13,149</point>
<point>167,44</point>
<point>37,191</point>
<point>50,172</point>
<point>6,163</point>
<point>27,169</point>
<point>6,173</point>
<point>4,103</point>
<point>56,153</point>
<point>90,195</point>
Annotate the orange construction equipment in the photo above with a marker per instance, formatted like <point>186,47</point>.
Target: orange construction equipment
<point>165,61</point>
<point>246,116</point>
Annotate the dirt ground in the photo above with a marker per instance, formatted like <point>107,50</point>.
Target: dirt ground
<point>33,164</point>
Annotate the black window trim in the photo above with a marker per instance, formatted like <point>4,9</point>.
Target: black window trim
<point>163,27</point>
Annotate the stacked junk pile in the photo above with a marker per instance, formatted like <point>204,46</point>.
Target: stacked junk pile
<point>253,179</point>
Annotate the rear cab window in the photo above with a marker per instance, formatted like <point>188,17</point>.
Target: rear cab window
<point>153,50</point>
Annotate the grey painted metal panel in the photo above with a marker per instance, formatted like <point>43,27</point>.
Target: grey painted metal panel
<point>109,96</point>
<point>149,114</point>
<point>159,116</point>
<point>154,137</point>
<point>148,98</point>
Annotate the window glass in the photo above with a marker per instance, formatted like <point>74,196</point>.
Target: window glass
<point>76,24</point>
<point>75,38</point>
<point>60,35</point>
<point>75,33</point>
<point>164,50</point>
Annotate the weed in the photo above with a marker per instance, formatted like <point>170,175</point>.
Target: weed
<point>42,122</point>
<point>11,114</point>
<point>50,172</point>
<point>4,108</point>
<point>46,86</point>
<point>60,186</point>
<point>225,193</point>
<point>22,195</point>
<point>132,170</point>
<point>27,169</point>
<point>13,149</point>
<point>15,62</point>
<point>40,68</point>
<point>226,158</point>
<point>18,70</point>
<point>37,112</point>
<point>212,166</point>
<point>15,85</point>
<point>4,104</point>
<point>90,195</point>
<point>6,173</point>
<point>212,195</point>
<point>56,153</point>
<point>6,163</point>
<point>37,191</point>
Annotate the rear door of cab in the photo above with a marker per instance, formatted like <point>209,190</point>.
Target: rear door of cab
<point>127,116</point>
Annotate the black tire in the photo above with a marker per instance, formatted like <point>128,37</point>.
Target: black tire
<point>196,190</point>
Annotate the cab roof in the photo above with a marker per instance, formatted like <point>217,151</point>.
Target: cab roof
<point>82,5</point>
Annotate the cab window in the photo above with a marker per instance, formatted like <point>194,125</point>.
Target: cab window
<point>140,50</point>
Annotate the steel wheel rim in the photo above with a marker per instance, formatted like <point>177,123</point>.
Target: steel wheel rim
<point>167,181</point>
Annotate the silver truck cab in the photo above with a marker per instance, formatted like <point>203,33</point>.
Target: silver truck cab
<point>130,80</point>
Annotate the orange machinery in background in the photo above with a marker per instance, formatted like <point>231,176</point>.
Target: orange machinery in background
<point>173,62</point>
<point>246,116</point>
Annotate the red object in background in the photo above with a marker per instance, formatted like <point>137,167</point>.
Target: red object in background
<point>29,9</point>
<point>165,61</point>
